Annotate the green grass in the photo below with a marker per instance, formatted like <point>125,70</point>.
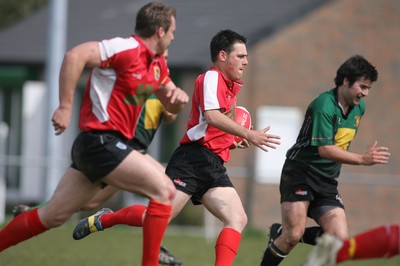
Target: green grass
<point>122,246</point>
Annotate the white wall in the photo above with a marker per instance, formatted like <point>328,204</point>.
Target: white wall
<point>285,122</point>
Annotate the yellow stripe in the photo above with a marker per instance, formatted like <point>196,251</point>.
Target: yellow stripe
<point>352,247</point>
<point>92,227</point>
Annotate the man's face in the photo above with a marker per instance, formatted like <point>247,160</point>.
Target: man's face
<point>236,61</point>
<point>167,37</point>
<point>357,91</point>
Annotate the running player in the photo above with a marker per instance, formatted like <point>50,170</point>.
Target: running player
<point>125,72</point>
<point>197,165</point>
<point>309,183</point>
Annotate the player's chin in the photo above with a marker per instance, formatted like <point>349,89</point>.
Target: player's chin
<point>239,74</point>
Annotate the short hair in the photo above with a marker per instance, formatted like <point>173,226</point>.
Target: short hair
<point>353,69</point>
<point>224,41</point>
<point>153,16</point>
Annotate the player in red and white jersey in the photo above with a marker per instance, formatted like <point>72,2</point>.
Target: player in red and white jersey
<point>197,165</point>
<point>213,91</point>
<point>117,90</point>
<point>125,72</point>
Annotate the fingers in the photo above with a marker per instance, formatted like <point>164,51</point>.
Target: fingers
<point>58,129</point>
<point>374,145</point>
<point>177,96</point>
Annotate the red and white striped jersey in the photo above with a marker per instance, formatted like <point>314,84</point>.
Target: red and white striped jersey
<point>116,92</point>
<point>212,91</point>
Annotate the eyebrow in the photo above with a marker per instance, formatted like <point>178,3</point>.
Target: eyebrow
<point>365,86</point>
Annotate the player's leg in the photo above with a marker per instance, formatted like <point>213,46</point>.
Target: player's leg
<point>294,217</point>
<point>165,257</point>
<point>309,237</point>
<point>334,222</point>
<point>132,215</point>
<point>379,242</point>
<point>60,207</point>
<point>138,174</point>
<point>225,204</point>
<point>99,198</point>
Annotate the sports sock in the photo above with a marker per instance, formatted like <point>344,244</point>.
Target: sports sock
<point>227,246</point>
<point>131,215</point>
<point>154,226</point>
<point>380,242</point>
<point>311,234</point>
<point>272,256</point>
<point>21,228</point>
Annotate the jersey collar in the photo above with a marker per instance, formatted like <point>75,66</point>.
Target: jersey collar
<point>234,85</point>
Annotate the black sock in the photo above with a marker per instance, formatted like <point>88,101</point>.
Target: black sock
<point>311,234</point>
<point>272,256</point>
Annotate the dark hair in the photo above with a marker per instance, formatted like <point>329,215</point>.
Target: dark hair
<point>353,69</point>
<point>152,16</point>
<point>224,41</point>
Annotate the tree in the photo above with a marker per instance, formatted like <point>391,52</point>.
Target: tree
<point>13,10</point>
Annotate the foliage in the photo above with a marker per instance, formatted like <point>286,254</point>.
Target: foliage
<point>13,10</point>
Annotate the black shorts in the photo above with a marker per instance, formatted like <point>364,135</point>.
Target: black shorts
<point>299,183</point>
<point>195,169</point>
<point>97,153</point>
<point>137,146</point>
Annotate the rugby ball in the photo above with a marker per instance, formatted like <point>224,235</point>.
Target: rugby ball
<point>243,118</point>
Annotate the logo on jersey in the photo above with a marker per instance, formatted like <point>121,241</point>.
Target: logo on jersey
<point>157,73</point>
<point>357,118</point>
<point>121,146</point>
<point>179,182</point>
<point>300,192</point>
<point>137,76</point>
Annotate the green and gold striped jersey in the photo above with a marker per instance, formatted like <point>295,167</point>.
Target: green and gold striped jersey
<point>325,124</point>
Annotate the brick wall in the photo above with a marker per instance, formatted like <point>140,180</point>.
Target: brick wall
<point>296,64</point>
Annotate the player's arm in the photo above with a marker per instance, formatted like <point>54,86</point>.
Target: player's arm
<point>374,155</point>
<point>257,137</point>
<point>75,60</point>
<point>172,97</point>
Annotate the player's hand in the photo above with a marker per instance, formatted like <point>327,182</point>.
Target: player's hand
<point>177,96</point>
<point>244,144</point>
<point>376,155</point>
<point>60,119</point>
<point>264,140</point>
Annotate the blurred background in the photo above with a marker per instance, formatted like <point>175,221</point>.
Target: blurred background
<point>295,48</point>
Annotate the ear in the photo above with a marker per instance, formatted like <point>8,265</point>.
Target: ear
<point>222,55</point>
<point>160,32</point>
<point>346,82</point>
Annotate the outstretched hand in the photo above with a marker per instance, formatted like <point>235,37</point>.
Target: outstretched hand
<point>263,140</point>
<point>376,155</point>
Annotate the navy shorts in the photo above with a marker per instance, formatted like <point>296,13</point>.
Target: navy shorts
<point>97,153</point>
<point>195,169</point>
<point>299,183</point>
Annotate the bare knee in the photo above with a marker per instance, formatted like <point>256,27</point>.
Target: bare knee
<point>242,221</point>
<point>238,221</point>
<point>291,237</point>
<point>52,220</point>
<point>91,206</point>
<point>165,193</point>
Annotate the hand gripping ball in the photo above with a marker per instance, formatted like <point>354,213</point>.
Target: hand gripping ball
<point>243,118</point>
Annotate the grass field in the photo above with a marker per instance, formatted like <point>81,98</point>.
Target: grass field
<point>122,246</point>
